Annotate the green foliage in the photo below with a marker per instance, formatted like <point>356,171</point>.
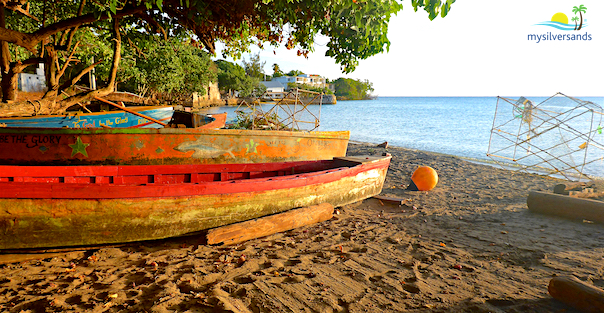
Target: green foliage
<point>357,30</point>
<point>579,9</point>
<point>174,67</point>
<point>352,89</point>
<point>277,72</point>
<point>232,77</point>
<point>433,7</point>
<point>254,67</point>
<point>294,73</point>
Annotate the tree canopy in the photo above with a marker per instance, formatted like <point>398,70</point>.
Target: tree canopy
<point>52,32</point>
<point>233,78</point>
<point>352,89</point>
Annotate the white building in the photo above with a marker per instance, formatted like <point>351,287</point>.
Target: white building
<point>274,89</point>
<point>32,82</point>
<point>312,80</point>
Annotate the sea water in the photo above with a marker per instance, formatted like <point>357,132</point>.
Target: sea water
<point>459,126</point>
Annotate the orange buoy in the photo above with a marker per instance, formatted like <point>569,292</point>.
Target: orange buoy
<point>424,178</point>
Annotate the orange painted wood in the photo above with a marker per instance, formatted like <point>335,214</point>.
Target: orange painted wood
<point>219,122</point>
<point>578,294</point>
<point>146,146</point>
<point>268,225</point>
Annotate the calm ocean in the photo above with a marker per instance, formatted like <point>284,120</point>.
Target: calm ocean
<point>458,126</point>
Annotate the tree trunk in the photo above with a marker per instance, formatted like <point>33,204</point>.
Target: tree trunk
<point>580,25</point>
<point>10,84</point>
<point>9,81</point>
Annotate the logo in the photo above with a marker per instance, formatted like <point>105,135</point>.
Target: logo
<point>560,20</point>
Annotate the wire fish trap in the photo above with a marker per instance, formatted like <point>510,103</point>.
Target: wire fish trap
<point>561,136</point>
<point>290,112</point>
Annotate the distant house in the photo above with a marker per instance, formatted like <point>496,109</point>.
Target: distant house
<point>308,79</point>
<point>32,82</point>
<point>274,89</point>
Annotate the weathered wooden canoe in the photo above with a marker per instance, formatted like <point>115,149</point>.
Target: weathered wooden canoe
<point>56,206</point>
<point>116,118</point>
<point>104,146</point>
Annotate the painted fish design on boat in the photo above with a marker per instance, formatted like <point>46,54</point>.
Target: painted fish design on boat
<point>202,150</point>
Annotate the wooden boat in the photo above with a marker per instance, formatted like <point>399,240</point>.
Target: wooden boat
<point>69,146</point>
<point>117,118</point>
<point>57,206</point>
<point>182,119</point>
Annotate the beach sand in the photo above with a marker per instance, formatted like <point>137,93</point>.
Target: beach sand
<point>469,245</point>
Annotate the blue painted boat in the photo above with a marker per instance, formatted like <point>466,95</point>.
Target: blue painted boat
<point>117,118</point>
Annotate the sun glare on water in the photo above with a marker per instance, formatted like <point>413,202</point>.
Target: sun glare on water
<point>560,18</point>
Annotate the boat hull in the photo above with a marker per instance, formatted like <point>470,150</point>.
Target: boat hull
<point>64,146</point>
<point>118,118</point>
<point>126,216</point>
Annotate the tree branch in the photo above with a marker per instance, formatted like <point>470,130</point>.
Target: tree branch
<point>29,41</point>
<point>81,97</point>
<point>69,59</point>
<point>75,79</point>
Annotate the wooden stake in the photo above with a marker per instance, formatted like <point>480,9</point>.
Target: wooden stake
<point>572,291</point>
<point>268,225</point>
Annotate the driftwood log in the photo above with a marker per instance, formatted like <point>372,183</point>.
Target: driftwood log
<point>566,206</point>
<point>268,225</point>
<point>577,294</point>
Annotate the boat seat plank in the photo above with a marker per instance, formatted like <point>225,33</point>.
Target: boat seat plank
<point>359,158</point>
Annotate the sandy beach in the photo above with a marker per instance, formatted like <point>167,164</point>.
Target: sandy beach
<point>469,245</point>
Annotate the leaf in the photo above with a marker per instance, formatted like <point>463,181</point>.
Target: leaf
<point>112,7</point>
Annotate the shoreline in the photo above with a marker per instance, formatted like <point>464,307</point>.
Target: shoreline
<point>468,245</point>
<point>510,166</point>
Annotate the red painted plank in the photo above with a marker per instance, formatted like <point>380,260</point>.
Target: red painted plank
<point>146,186</point>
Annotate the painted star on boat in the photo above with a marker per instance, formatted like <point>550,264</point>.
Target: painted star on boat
<point>251,146</point>
<point>79,147</point>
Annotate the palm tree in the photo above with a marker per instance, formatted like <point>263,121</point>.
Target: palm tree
<point>277,70</point>
<point>581,9</point>
<point>575,19</point>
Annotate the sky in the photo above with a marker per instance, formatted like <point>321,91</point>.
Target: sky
<point>481,48</point>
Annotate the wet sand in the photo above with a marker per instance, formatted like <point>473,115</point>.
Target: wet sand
<point>469,245</point>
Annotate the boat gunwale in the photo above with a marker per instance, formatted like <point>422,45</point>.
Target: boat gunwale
<point>340,134</point>
<point>97,191</point>
<point>76,113</point>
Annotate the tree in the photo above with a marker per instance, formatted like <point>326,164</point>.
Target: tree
<point>575,19</point>
<point>581,9</point>
<point>352,89</point>
<point>172,67</point>
<point>39,30</point>
<point>232,78</point>
<point>255,67</point>
<point>277,70</point>
<point>294,73</point>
